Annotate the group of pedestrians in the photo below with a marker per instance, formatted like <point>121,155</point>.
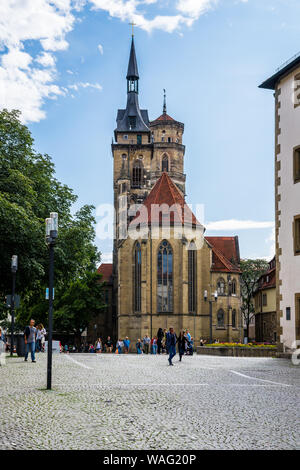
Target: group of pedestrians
<point>100,346</point>
<point>184,342</point>
<point>166,342</point>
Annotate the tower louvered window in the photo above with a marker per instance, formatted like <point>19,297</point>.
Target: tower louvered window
<point>137,174</point>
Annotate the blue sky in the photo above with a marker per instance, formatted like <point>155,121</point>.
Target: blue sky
<point>63,63</point>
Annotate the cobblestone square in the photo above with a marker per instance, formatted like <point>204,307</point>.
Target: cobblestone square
<point>139,402</point>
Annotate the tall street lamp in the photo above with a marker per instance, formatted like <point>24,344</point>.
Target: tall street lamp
<point>51,236</point>
<point>215,295</point>
<point>14,268</point>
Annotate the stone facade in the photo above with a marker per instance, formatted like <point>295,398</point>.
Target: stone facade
<point>286,84</point>
<point>149,170</point>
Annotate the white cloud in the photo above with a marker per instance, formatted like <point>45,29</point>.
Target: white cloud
<point>106,257</point>
<point>195,8</point>
<point>233,224</point>
<point>77,86</point>
<point>46,59</point>
<point>23,84</point>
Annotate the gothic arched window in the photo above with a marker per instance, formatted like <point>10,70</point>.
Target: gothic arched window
<point>137,174</point>
<point>221,318</point>
<point>165,163</point>
<point>165,277</point>
<point>233,318</point>
<point>233,287</point>
<point>221,286</point>
<point>137,277</point>
<point>192,277</point>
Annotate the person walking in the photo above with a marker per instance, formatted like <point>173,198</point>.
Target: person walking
<point>40,335</point>
<point>181,344</point>
<point>98,346</point>
<point>139,346</point>
<point>154,345</point>
<point>120,345</point>
<point>146,342</point>
<point>30,340</point>
<point>109,345</point>
<point>171,340</point>
<point>165,346</point>
<point>160,335</point>
<point>126,345</point>
<point>2,346</point>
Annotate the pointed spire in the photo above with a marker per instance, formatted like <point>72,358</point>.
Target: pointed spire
<point>165,103</point>
<point>132,72</point>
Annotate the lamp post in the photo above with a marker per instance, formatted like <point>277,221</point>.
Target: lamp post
<point>215,295</point>
<point>14,268</point>
<point>51,235</point>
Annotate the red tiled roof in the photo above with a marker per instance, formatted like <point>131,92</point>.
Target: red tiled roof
<point>225,253</point>
<point>165,192</point>
<point>106,270</point>
<point>164,117</point>
<point>271,273</point>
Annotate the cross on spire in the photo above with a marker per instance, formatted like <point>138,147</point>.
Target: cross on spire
<point>133,25</point>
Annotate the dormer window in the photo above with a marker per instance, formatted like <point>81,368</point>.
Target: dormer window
<point>132,121</point>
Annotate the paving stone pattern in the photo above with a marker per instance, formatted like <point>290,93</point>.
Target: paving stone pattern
<point>139,402</point>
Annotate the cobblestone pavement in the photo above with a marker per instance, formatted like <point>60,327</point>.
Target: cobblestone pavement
<point>139,402</point>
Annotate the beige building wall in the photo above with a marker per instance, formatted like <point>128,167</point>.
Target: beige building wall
<point>287,207</point>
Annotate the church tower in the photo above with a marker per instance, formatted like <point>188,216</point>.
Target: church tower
<point>159,279</point>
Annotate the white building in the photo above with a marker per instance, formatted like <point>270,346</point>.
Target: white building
<point>286,83</point>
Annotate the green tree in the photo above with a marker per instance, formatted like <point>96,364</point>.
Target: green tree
<point>78,305</point>
<point>251,272</point>
<point>29,191</point>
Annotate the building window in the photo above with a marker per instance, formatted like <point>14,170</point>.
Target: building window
<point>165,163</point>
<point>221,318</point>
<point>233,318</point>
<point>192,277</point>
<point>221,286</point>
<point>288,313</point>
<point>233,287</point>
<point>165,278</point>
<point>139,139</point>
<point>297,165</point>
<point>137,277</point>
<point>169,139</point>
<point>132,122</point>
<point>137,174</point>
<point>297,91</point>
<point>297,235</point>
<point>265,300</point>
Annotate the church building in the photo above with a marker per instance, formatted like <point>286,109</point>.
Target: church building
<point>165,272</point>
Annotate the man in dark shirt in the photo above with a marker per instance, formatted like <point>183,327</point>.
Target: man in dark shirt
<point>30,338</point>
<point>171,340</point>
<point>109,345</point>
